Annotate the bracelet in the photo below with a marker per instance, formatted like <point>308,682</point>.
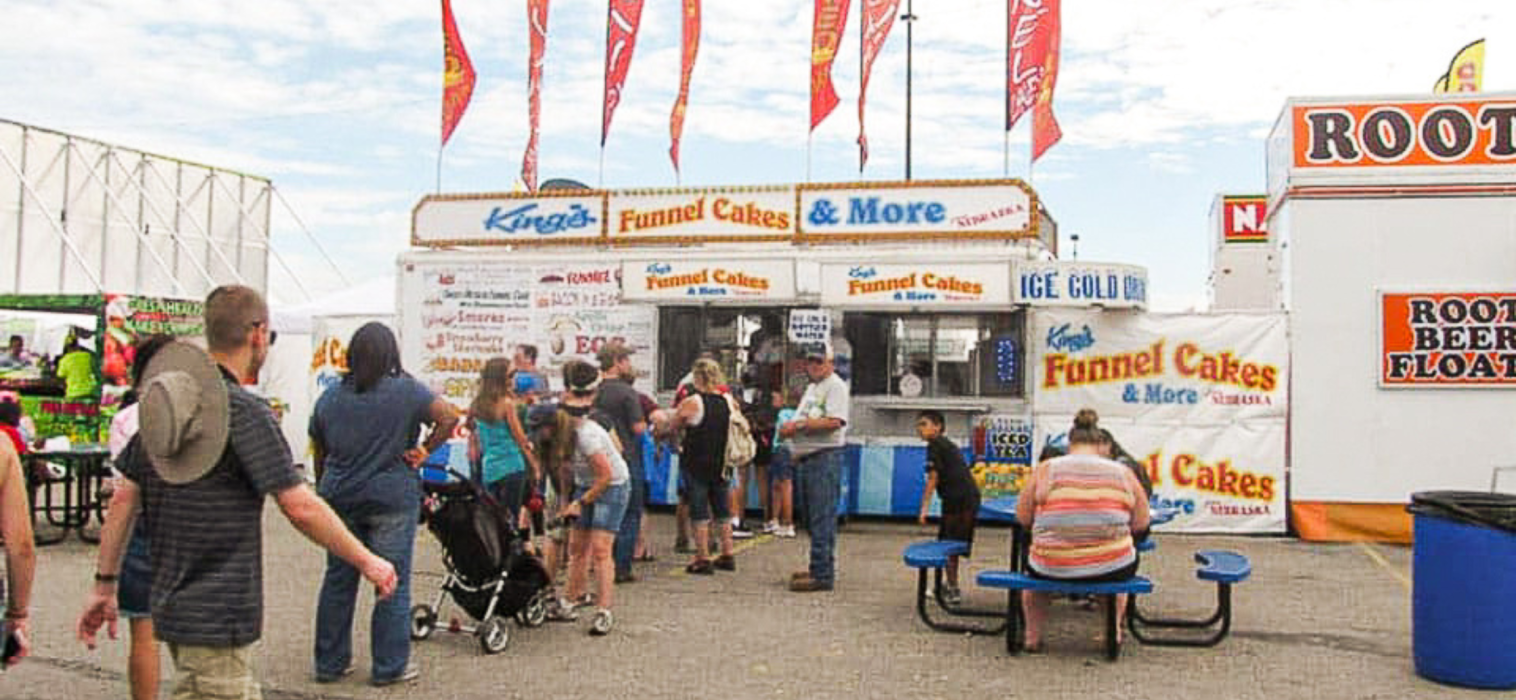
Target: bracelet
<point>105,578</point>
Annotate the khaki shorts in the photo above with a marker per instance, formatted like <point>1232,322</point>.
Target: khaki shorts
<point>214,673</point>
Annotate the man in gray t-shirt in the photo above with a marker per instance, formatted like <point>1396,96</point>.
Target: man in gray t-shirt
<point>817,437</point>
<point>620,401</point>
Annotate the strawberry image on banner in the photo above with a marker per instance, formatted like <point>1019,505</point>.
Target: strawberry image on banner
<point>457,74</point>
<point>826,35</point>
<point>536,15</point>
<point>1045,131</point>
<point>690,47</point>
<point>878,18</point>
<point>620,39</point>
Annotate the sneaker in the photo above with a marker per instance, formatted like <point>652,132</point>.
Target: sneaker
<point>602,623</point>
<point>560,610</point>
<point>324,678</point>
<point>626,577</point>
<point>701,567</point>
<point>771,527</point>
<point>951,596</point>
<point>785,531</point>
<point>411,673</point>
<point>725,562</point>
<point>682,546</point>
<point>741,533</point>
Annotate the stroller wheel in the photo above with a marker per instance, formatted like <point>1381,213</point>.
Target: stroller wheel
<point>423,622</point>
<point>494,635</point>
<point>535,612</point>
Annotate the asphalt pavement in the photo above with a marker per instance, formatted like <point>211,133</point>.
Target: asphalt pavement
<point>1313,621</point>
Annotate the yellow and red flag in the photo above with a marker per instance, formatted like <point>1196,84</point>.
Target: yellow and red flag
<point>622,18</point>
<point>878,18</point>
<point>536,17</point>
<point>1045,130</point>
<point>689,47</point>
<point>826,35</point>
<point>1466,72</point>
<point>457,74</point>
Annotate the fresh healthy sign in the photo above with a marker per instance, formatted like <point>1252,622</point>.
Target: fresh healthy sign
<point>1447,339</point>
<point>988,209</point>
<point>941,284</point>
<point>695,281</point>
<point>1059,283</point>
<point>508,219</point>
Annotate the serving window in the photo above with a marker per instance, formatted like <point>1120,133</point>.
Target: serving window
<point>750,344</point>
<point>937,355</point>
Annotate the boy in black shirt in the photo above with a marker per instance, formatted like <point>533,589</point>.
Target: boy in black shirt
<point>949,476</point>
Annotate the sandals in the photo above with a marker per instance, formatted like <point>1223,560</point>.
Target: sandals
<point>702,567</point>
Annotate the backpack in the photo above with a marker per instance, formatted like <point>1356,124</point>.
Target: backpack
<point>740,447</point>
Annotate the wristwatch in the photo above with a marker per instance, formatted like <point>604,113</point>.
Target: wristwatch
<point>105,578</point>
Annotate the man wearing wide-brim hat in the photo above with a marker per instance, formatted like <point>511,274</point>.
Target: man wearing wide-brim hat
<point>206,455</point>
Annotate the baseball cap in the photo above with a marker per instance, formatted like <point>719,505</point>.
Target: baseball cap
<point>816,351</point>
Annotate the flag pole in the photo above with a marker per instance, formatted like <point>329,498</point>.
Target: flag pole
<point>809,137</point>
<point>910,20</point>
<point>439,168</point>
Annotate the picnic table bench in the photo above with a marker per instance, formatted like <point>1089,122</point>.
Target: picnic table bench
<point>932,555</point>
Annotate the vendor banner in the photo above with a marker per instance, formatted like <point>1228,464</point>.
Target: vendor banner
<point>1447,339</point>
<point>1072,283</point>
<point>918,210</point>
<point>457,315</point>
<point>922,285</point>
<point>1220,479</point>
<point>529,219</point>
<point>330,336</point>
<point>707,214</point>
<point>1211,369</point>
<point>698,281</point>
<point>129,319</point>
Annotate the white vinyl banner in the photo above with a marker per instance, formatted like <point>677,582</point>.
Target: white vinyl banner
<point>717,212</point>
<point>1220,479</point>
<point>528,219</point>
<point>925,285</point>
<point>457,315</point>
<point>1210,369</point>
<point>700,281</point>
<point>990,208</point>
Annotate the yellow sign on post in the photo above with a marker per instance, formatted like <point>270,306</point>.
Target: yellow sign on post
<point>1466,72</point>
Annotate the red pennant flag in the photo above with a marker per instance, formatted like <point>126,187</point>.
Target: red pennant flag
<point>620,38</point>
<point>1026,60</point>
<point>1045,131</point>
<point>826,34</point>
<point>690,47</point>
<point>536,15</point>
<point>878,18</point>
<point>457,74</point>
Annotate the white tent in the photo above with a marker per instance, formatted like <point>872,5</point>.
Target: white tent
<point>288,373</point>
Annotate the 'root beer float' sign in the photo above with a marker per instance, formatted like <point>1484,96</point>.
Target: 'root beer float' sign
<point>1447,339</point>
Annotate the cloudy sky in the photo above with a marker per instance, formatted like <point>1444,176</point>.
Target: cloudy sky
<point>1164,103</point>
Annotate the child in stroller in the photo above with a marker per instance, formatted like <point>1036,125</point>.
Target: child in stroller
<point>489,574</point>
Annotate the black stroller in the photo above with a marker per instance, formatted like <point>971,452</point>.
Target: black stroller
<point>489,574</point>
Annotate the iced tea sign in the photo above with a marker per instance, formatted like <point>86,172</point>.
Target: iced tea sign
<point>1447,339</point>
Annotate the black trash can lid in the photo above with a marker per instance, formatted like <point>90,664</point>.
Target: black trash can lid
<point>1492,510</point>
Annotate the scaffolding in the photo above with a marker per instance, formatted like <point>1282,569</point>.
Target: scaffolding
<point>78,216</point>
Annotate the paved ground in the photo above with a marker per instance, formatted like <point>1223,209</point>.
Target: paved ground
<point>1315,621</point>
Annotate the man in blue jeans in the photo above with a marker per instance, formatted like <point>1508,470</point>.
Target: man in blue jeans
<point>817,437</point>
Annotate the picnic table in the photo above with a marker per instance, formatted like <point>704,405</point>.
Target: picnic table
<point>67,503</point>
<point>1004,507</point>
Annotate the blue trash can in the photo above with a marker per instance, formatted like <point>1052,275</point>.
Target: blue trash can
<point>1464,565</point>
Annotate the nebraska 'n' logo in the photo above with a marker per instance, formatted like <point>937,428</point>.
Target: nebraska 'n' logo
<point>1242,219</point>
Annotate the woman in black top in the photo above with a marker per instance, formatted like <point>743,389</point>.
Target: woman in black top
<point>705,416</point>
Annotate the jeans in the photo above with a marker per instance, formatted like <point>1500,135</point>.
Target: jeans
<point>391,535</point>
<point>631,522</point>
<point>510,492</point>
<point>821,484</point>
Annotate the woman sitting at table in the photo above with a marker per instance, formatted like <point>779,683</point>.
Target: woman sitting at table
<point>1082,510</point>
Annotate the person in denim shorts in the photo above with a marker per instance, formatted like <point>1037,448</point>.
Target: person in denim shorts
<point>134,589</point>
<point>602,489</point>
